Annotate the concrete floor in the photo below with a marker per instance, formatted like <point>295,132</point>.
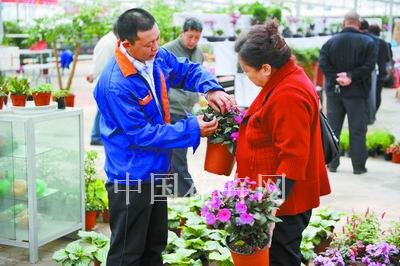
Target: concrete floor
<point>379,189</point>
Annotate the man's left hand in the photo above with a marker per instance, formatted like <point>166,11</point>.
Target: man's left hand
<point>221,101</point>
<point>343,79</point>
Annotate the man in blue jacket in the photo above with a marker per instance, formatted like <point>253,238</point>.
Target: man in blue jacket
<point>131,95</point>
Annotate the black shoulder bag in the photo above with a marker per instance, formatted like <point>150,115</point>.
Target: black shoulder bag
<point>330,142</point>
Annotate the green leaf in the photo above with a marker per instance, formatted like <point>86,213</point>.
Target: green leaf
<point>60,255</point>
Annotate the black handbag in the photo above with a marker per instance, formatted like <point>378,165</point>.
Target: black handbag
<point>330,142</point>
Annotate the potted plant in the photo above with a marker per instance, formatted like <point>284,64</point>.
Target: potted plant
<point>2,95</point>
<point>383,140</point>
<point>247,215</point>
<point>59,97</point>
<point>19,90</point>
<point>74,254</point>
<point>394,149</point>
<point>331,257</point>
<point>42,94</point>
<point>3,89</point>
<point>220,152</point>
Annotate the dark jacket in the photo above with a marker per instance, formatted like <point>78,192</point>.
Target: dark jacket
<point>384,58</point>
<point>348,51</point>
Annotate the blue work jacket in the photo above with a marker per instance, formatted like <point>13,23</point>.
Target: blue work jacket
<point>138,140</point>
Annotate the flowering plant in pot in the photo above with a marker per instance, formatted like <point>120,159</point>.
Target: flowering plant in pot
<point>19,90</point>
<point>42,94</point>
<point>394,149</point>
<point>221,145</point>
<point>247,215</point>
<point>3,89</point>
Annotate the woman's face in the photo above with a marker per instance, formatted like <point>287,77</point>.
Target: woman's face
<point>258,76</point>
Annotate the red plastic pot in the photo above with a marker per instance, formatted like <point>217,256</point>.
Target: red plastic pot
<point>396,157</point>
<point>18,100</point>
<point>218,159</point>
<point>259,258</point>
<point>42,99</point>
<point>70,100</point>
<point>90,220</point>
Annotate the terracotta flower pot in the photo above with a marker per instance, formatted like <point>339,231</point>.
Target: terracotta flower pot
<point>259,258</point>
<point>106,216</point>
<point>96,262</point>
<point>18,100</point>
<point>323,245</point>
<point>218,159</point>
<point>42,99</point>
<point>70,100</point>
<point>5,100</point>
<point>90,220</point>
<point>1,103</point>
<point>396,157</point>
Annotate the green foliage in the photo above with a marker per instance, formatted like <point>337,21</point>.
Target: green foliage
<point>2,94</point>
<point>163,13</point>
<point>306,57</point>
<point>227,125</point>
<point>320,228</point>
<point>96,196</point>
<point>261,12</point>
<point>219,32</point>
<point>14,27</point>
<point>97,240</point>
<point>18,85</point>
<point>344,140</point>
<point>379,140</point>
<point>392,236</point>
<point>60,93</point>
<point>74,255</point>
<point>42,88</point>
<point>3,84</point>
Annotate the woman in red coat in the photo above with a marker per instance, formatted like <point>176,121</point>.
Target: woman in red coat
<point>280,136</point>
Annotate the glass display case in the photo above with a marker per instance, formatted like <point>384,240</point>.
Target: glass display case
<point>41,177</point>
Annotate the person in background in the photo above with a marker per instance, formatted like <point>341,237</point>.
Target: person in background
<point>102,53</point>
<point>364,28</point>
<point>384,61</point>
<point>347,60</point>
<point>138,138</point>
<point>280,136</point>
<point>181,102</point>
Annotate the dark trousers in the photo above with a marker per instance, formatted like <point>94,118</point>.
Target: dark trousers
<point>139,230</point>
<point>286,240</point>
<point>184,185</point>
<point>357,116</point>
<point>379,86</point>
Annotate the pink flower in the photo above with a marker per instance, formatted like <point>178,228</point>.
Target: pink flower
<point>241,207</point>
<point>215,203</point>
<point>272,188</point>
<point>246,218</point>
<point>258,196</point>
<point>238,119</point>
<point>235,136</point>
<point>210,219</point>
<point>224,215</point>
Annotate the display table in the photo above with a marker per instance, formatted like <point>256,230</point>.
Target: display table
<point>41,177</point>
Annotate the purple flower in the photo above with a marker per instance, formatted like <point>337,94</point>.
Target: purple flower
<point>215,203</point>
<point>234,136</point>
<point>242,192</point>
<point>246,218</point>
<point>241,207</point>
<point>230,192</point>
<point>258,196</point>
<point>272,188</point>
<point>224,215</point>
<point>210,219</point>
<point>204,211</point>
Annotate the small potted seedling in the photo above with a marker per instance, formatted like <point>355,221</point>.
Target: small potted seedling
<point>59,97</point>
<point>42,94</point>
<point>19,90</point>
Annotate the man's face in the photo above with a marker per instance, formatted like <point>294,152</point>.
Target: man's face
<point>190,38</point>
<point>145,46</point>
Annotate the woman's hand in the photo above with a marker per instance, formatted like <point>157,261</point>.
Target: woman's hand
<point>221,101</point>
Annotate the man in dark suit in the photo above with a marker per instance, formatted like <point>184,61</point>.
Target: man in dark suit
<point>347,60</point>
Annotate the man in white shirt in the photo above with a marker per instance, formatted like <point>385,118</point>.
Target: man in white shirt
<point>102,53</point>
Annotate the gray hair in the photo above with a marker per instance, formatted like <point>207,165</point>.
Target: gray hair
<point>352,17</point>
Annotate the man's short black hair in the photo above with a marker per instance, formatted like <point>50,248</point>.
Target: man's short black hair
<point>364,25</point>
<point>192,24</point>
<point>132,21</point>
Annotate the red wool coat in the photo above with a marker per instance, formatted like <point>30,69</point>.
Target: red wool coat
<point>281,134</point>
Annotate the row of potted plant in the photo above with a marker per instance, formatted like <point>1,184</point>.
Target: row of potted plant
<point>379,142</point>
<point>19,89</point>
<point>362,241</point>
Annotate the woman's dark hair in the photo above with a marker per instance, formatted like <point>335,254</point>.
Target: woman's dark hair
<point>375,30</point>
<point>132,21</point>
<point>263,44</point>
<point>192,24</point>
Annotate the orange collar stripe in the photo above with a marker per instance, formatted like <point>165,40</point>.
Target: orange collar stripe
<point>123,62</point>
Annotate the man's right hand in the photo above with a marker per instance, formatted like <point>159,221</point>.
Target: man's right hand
<point>90,78</point>
<point>207,128</point>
